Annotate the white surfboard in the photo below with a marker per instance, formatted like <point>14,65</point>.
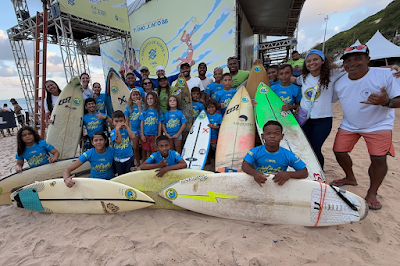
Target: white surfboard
<point>39,173</point>
<point>67,116</point>
<point>118,91</point>
<point>197,143</point>
<point>88,195</point>
<point>238,196</point>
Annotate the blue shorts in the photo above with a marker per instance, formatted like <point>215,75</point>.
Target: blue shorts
<point>125,167</point>
<point>178,138</point>
<point>137,133</point>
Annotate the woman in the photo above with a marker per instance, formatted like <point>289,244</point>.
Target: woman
<point>52,94</point>
<point>87,92</point>
<point>147,85</point>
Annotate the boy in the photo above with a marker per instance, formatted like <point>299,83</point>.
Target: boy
<point>197,103</point>
<point>130,81</point>
<point>225,96</point>
<point>121,137</point>
<point>273,159</point>
<point>289,93</point>
<point>165,158</point>
<point>214,87</point>
<point>272,73</point>
<point>215,119</point>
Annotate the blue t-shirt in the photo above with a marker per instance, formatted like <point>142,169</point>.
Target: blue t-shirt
<point>273,162</point>
<point>37,154</point>
<point>155,81</point>
<point>173,158</point>
<point>272,83</point>
<point>151,119</point>
<point>290,94</point>
<point>216,120</point>
<point>213,88</point>
<point>173,121</point>
<point>122,150</point>
<point>100,164</point>
<point>134,117</point>
<point>197,108</point>
<point>224,96</point>
<point>93,124</point>
<point>101,103</point>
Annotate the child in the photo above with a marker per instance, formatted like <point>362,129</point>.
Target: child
<point>163,91</point>
<point>101,159</point>
<point>150,124</point>
<point>33,149</point>
<point>121,137</point>
<point>215,119</point>
<point>100,99</point>
<point>273,159</point>
<point>130,81</point>
<point>272,73</point>
<point>216,86</point>
<point>165,159</point>
<point>225,96</point>
<point>132,112</point>
<point>289,93</point>
<point>174,123</point>
<point>197,102</point>
<point>87,93</point>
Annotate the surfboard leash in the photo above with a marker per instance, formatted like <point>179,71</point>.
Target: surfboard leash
<point>351,205</point>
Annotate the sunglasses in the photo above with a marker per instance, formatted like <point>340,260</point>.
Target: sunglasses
<point>358,47</point>
<point>146,83</point>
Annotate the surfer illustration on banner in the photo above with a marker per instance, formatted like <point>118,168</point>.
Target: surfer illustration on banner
<point>129,61</point>
<point>189,55</point>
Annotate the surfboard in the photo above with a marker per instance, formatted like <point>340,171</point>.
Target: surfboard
<point>39,173</point>
<point>197,143</point>
<point>88,195</point>
<point>238,196</point>
<point>67,116</point>
<point>147,182</point>
<point>237,133</point>
<point>117,92</point>
<point>182,91</point>
<point>269,107</point>
<point>257,74</point>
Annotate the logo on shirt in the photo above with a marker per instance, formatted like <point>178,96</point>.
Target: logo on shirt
<point>172,123</point>
<point>124,144</point>
<point>93,125</point>
<point>171,194</point>
<point>114,89</point>
<point>245,99</point>
<point>309,91</point>
<point>130,194</point>
<point>100,106</point>
<point>365,93</point>
<point>286,99</point>
<point>151,121</point>
<point>102,167</point>
<point>36,160</point>
<point>77,101</point>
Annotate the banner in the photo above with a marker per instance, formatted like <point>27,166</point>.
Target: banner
<point>7,120</point>
<point>112,13</point>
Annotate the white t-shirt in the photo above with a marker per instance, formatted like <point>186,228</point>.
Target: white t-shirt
<point>323,98</point>
<point>195,82</point>
<point>7,109</point>
<point>53,102</point>
<point>360,117</point>
<point>206,82</point>
<point>87,93</point>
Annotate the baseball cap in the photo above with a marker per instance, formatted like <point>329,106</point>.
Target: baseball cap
<point>162,77</point>
<point>185,64</point>
<point>144,68</point>
<point>362,48</point>
<point>160,68</point>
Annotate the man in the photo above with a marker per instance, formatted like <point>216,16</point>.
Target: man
<point>367,97</point>
<point>296,62</point>
<point>17,110</point>
<point>202,69</point>
<point>160,72</point>
<point>238,76</point>
<point>191,81</point>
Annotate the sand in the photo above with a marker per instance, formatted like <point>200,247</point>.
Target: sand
<point>166,237</point>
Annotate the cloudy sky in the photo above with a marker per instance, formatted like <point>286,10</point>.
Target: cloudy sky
<point>311,25</point>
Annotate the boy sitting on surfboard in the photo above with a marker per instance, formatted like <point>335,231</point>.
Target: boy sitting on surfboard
<point>273,159</point>
<point>165,158</point>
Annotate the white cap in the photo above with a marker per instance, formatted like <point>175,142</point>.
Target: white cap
<point>159,68</point>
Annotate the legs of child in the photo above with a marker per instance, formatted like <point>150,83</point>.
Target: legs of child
<point>136,150</point>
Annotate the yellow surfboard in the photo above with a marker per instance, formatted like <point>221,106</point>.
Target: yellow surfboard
<point>258,74</point>
<point>236,134</point>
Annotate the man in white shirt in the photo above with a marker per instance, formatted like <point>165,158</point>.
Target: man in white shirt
<point>202,69</point>
<point>191,81</point>
<point>367,96</point>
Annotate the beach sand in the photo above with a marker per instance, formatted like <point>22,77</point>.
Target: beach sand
<point>166,237</point>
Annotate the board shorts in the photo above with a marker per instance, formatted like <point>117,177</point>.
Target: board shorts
<point>213,143</point>
<point>137,133</point>
<point>379,143</point>
<point>20,118</point>
<point>149,144</point>
<point>178,138</point>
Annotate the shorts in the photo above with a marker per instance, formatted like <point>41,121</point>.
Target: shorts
<point>213,143</point>
<point>125,167</point>
<point>149,144</point>
<point>137,133</point>
<point>379,143</point>
<point>21,119</point>
<point>178,138</point>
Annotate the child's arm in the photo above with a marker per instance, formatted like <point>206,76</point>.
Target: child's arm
<point>148,166</point>
<point>180,165</point>
<point>18,167</point>
<point>118,138</point>
<point>142,136</point>
<point>282,177</point>
<point>164,128</point>
<point>213,126</point>
<point>180,130</point>
<point>287,107</point>
<point>55,156</point>
<point>159,129</point>
<point>67,173</point>
<point>260,178</point>
<point>130,132</point>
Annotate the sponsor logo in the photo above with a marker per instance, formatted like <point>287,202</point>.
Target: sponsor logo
<point>201,116</point>
<point>77,101</point>
<point>257,69</point>
<point>65,100</point>
<point>130,194</point>
<point>243,118</point>
<point>171,194</point>
<point>202,151</point>
<point>114,89</point>
<point>153,53</point>
<point>245,99</point>
<point>234,108</point>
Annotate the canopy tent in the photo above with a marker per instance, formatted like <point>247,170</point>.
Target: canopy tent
<point>380,47</point>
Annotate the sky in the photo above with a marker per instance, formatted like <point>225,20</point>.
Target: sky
<point>343,15</point>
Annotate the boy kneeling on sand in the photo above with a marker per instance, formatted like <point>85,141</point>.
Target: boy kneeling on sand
<point>273,159</point>
<point>165,158</point>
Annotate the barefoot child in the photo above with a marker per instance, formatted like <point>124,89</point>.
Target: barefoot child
<point>132,112</point>
<point>165,159</point>
<point>197,102</point>
<point>33,149</point>
<point>225,96</point>
<point>163,91</point>
<point>289,93</point>
<point>273,159</point>
<point>216,86</point>
<point>174,123</point>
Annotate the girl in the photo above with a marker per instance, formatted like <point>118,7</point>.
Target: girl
<point>150,124</point>
<point>100,157</point>
<point>174,123</point>
<point>163,91</point>
<point>132,112</point>
<point>147,85</point>
<point>33,149</point>
<point>85,86</point>
<point>52,93</point>
<point>99,98</point>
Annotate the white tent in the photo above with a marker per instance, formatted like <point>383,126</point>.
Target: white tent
<point>380,47</point>
<point>356,43</point>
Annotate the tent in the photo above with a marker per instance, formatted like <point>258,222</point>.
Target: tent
<point>356,43</point>
<point>380,47</point>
